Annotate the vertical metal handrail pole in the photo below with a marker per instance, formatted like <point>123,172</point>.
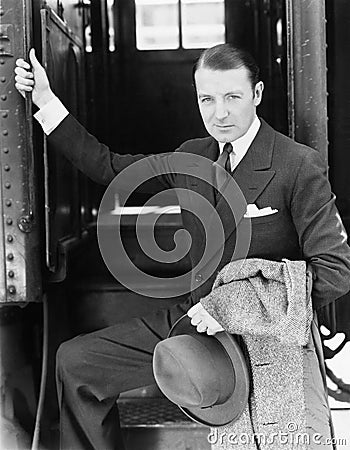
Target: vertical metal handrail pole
<point>307,73</point>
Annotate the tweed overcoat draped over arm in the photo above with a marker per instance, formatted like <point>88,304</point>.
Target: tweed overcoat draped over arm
<point>268,303</point>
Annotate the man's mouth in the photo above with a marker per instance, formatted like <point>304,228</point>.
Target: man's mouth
<point>223,126</point>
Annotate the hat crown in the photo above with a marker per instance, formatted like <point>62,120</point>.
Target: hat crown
<point>194,371</point>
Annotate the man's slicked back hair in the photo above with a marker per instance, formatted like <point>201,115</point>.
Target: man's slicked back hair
<point>228,57</point>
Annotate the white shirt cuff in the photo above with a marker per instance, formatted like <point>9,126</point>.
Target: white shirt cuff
<point>51,115</point>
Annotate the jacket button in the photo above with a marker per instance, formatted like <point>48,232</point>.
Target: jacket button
<point>198,277</point>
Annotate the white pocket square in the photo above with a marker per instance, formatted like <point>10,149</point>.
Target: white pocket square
<point>254,211</point>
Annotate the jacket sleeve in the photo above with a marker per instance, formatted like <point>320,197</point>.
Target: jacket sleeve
<point>322,236</point>
<point>100,164</point>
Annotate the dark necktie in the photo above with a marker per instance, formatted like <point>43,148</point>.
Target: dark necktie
<point>224,162</point>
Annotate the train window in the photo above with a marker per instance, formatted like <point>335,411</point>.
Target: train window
<point>174,24</point>
<point>157,24</point>
<point>203,23</point>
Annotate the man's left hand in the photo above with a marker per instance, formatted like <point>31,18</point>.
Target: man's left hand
<point>204,322</point>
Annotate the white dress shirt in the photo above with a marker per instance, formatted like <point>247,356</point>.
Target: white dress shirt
<point>51,115</point>
<point>241,145</point>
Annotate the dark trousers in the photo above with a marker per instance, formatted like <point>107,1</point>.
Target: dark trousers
<point>93,369</point>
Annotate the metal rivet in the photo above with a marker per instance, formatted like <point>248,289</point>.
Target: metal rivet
<point>6,168</point>
<point>2,61</point>
<point>10,257</point>
<point>4,97</point>
<point>11,273</point>
<point>4,114</point>
<point>6,150</point>
<point>8,202</point>
<point>7,185</point>
<point>9,221</point>
<point>3,79</point>
<point>12,290</point>
<point>10,238</point>
<point>1,12</point>
<point>5,132</point>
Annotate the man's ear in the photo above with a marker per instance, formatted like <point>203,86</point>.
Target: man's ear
<point>258,92</point>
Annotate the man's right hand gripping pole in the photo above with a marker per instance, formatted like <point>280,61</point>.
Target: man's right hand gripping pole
<point>33,79</point>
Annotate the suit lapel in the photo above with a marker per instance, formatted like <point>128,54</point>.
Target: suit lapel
<point>254,172</point>
<point>252,175</point>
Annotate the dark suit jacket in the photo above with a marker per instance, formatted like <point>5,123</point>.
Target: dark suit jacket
<point>275,172</point>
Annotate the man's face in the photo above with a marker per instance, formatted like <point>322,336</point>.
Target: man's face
<point>227,101</point>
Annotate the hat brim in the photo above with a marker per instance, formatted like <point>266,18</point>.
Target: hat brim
<point>219,415</point>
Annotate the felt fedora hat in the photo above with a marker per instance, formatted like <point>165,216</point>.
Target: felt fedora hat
<point>206,376</point>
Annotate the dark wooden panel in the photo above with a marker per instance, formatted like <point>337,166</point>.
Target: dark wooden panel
<point>155,105</point>
<point>69,209</point>
<point>338,41</point>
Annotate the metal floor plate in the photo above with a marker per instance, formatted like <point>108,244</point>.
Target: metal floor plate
<point>153,412</point>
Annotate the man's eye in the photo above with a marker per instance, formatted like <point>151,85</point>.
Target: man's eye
<point>205,100</point>
<point>233,97</point>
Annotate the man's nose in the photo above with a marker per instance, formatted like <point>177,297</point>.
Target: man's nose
<point>221,111</point>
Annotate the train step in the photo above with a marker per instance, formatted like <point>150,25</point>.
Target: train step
<point>157,424</point>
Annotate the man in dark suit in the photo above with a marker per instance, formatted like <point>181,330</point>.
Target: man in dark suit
<point>288,203</point>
